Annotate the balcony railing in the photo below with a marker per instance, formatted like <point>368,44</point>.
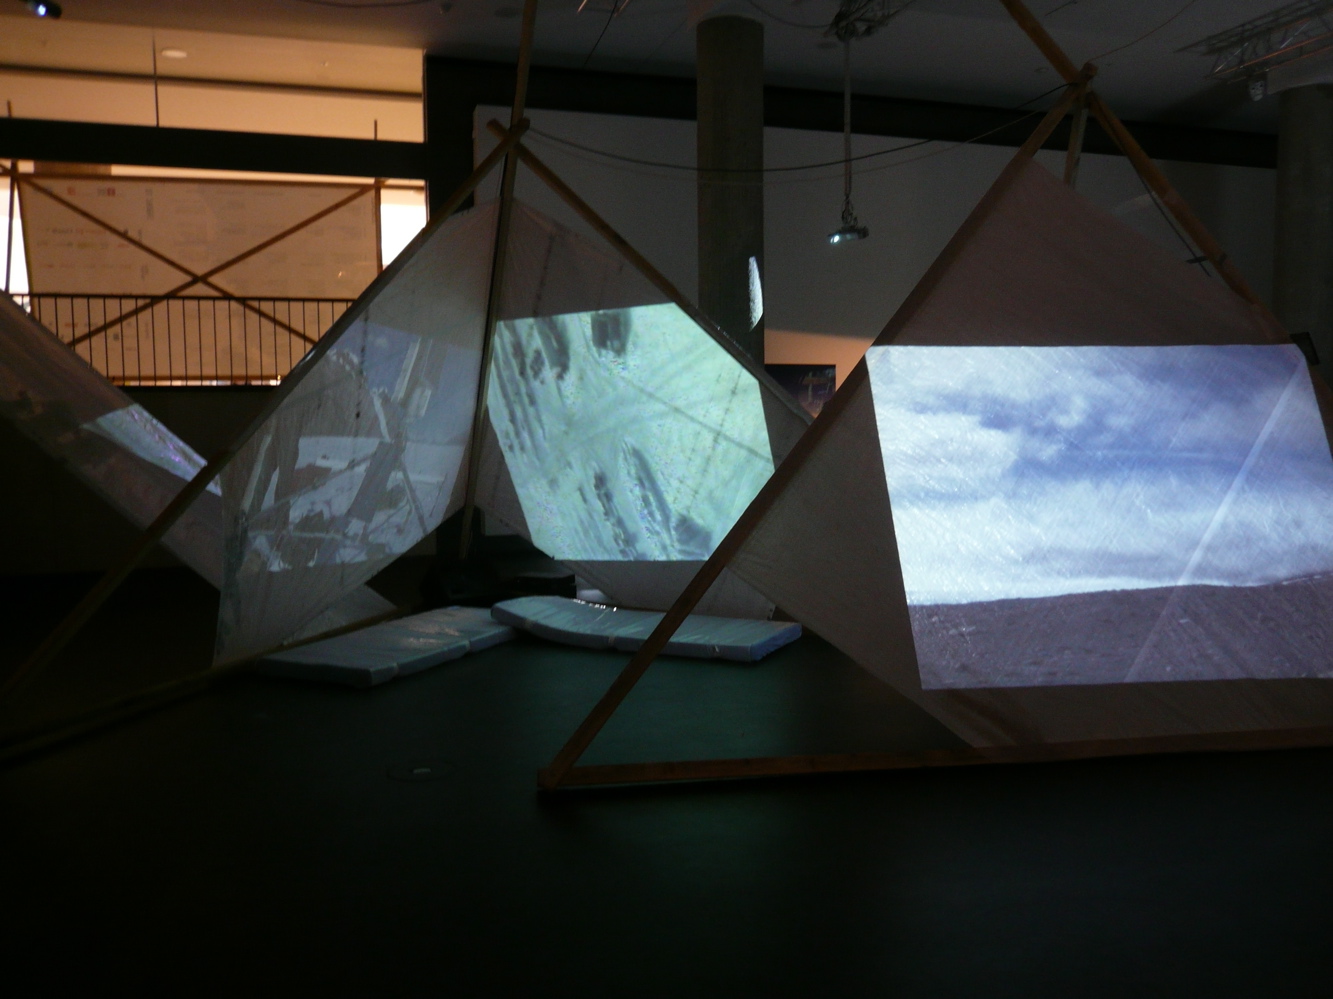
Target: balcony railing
<point>198,340</point>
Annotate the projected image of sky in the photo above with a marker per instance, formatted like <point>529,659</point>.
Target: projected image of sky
<point>630,433</point>
<point>1030,473</point>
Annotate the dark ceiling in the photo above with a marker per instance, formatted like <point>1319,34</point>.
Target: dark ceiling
<point>958,50</point>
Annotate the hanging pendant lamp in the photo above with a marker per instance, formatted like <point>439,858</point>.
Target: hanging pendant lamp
<point>851,228</point>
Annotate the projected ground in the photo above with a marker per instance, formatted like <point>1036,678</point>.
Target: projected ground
<point>630,434</point>
<point>1108,514</point>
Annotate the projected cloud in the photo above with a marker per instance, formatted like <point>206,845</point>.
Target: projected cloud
<point>1026,473</point>
<point>630,433</point>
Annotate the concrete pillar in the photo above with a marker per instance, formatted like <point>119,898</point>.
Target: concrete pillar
<point>731,204</point>
<point>1303,270</point>
<point>448,105</point>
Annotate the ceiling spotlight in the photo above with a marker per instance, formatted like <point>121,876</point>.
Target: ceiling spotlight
<point>43,8</point>
<point>174,53</point>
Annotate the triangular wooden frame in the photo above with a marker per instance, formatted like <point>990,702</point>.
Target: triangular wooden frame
<point>510,151</point>
<point>563,771</point>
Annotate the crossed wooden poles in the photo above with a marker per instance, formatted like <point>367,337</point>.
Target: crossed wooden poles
<point>563,771</point>
<point>510,151</point>
<point>192,278</point>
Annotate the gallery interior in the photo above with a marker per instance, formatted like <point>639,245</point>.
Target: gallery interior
<point>666,497</point>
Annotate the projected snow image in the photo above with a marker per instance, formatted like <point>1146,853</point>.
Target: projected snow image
<point>135,429</point>
<point>1108,514</point>
<point>363,463</point>
<point>630,434</point>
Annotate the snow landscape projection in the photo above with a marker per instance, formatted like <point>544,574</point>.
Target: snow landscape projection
<point>362,463</point>
<point>1108,514</point>
<point>630,433</point>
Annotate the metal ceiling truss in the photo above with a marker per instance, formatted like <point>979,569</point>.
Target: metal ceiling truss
<point>1281,36</point>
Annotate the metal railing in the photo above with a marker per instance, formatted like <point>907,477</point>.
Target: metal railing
<point>186,340</point>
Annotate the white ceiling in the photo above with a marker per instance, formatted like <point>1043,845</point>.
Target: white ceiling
<point>957,50</point>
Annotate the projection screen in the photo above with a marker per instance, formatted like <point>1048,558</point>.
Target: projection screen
<point>1103,515</point>
<point>630,434</point>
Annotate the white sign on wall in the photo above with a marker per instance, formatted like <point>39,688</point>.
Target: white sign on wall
<point>199,224</point>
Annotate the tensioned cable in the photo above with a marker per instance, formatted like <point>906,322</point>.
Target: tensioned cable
<point>1195,257</point>
<point>782,20</point>
<point>364,4</point>
<point>616,6</point>
<point>952,147</point>
<point>687,168</point>
<point>1146,35</point>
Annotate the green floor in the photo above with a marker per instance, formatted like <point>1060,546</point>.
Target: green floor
<point>261,840</point>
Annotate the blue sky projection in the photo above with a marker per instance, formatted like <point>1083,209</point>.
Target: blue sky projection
<point>1038,471</point>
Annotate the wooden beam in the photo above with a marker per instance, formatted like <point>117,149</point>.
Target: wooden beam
<point>1077,129</point>
<point>84,610</point>
<point>493,299</point>
<point>843,763</point>
<point>158,255</point>
<point>257,248</point>
<point>456,87</point>
<point>554,774</point>
<point>210,149</point>
<point>1147,169</point>
<point>1176,205</point>
<point>1042,39</point>
<point>49,736</point>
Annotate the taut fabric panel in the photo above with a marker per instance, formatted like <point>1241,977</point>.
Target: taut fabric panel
<point>121,452</point>
<point>826,553</point>
<point>360,460</point>
<point>104,438</point>
<point>632,438</point>
<point>1205,437</point>
<point>1048,268</point>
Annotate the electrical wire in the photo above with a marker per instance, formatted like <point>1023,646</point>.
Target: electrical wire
<point>1194,257</point>
<point>687,168</point>
<point>616,6</point>
<point>631,168</point>
<point>1145,35</point>
<point>363,4</point>
<point>782,20</point>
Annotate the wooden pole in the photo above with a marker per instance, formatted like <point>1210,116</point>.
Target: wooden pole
<point>12,188</point>
<point>1042,39</point>
<point>554,775</point>
<point>493,299</point>
<point>1142,162</point>
<point>114,576</point>
<point>789,766</point>
<point>622,246</point>
<point>257,248</point>
<point>1175,204</point>
<point>1076,131</point>
<point>157,255</point>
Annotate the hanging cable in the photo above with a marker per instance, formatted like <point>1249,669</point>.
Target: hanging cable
<point>615,9</point>
<point>364,4</point>
<point>1146,35</point>
<point>851,228</point>
<point>687,168</point>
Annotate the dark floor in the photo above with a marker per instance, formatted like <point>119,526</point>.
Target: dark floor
<point>261,840</point>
